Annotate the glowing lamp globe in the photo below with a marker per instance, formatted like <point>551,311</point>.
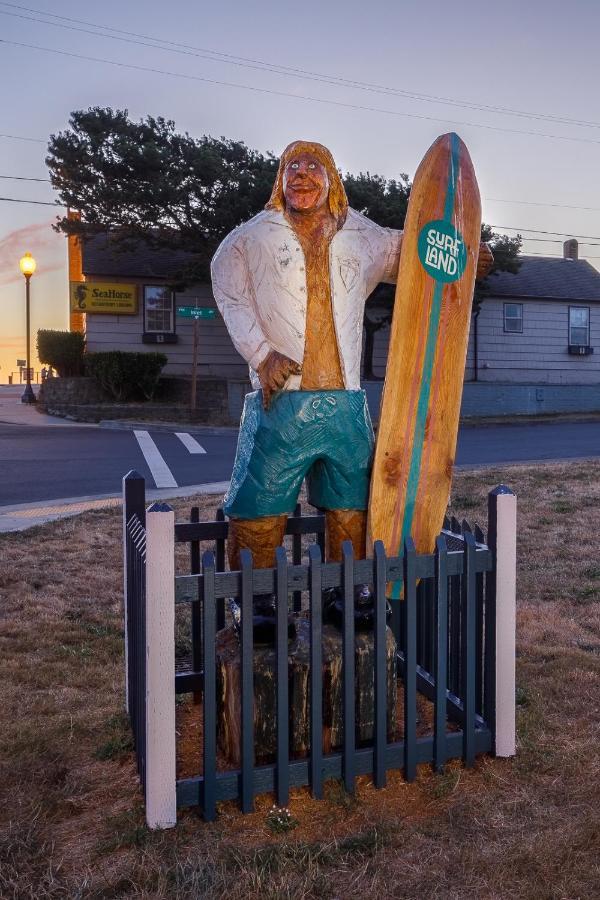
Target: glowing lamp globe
<point>27,265</point>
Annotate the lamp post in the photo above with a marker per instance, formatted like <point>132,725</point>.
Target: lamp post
<point>27,265</point>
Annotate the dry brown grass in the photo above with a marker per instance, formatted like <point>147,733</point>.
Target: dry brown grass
<point>71,823</point>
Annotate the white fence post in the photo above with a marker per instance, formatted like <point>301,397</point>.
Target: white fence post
<point>161,801</point>
<point>506,610</point>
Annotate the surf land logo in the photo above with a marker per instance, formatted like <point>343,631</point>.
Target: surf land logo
<point>442,251</point>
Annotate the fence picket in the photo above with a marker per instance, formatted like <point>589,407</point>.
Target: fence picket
<point>479,630</point>
<point>380,638</point>
<point>209,799</point>
<point>196,607</point>
<point>410,660</point>
<point>468,648</point>
<point>220,563</point>
<point>441,652</point>
<point>283,775</point>
<point>348,666</point>
<point>297,557</point>
<point>247,651</point>
<point>316,672</point>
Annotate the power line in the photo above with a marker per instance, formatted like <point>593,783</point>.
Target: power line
<point>20,137</point>
<point>37,202</point>
<point>22,178</point>
<point>290,96</point>
<point>532,203</point>
<point>567,234</point>
<point>133,37</point>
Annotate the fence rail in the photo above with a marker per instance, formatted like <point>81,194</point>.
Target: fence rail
<point>454,632</point>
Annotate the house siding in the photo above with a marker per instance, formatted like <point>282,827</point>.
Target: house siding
<point>540,354</point>
<point>216,354</point>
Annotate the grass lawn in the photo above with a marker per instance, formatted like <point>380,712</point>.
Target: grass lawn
<point>71,816</point>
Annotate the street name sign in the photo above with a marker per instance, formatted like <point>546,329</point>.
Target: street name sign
<point>196,312</point>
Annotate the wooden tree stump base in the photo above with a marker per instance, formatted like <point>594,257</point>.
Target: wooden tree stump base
<point>265,724</point>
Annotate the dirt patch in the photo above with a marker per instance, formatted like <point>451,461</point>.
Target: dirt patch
<point>71,819</point>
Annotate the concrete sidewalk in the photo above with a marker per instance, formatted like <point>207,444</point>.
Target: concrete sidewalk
<point>28,515</point>
<point>13,412</point>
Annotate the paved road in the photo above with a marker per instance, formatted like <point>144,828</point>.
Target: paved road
<point>45,463</point>
<point>538,441</point>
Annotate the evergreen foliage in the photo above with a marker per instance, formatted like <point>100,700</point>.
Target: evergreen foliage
<point>62,350</point>
<point>120,373</point>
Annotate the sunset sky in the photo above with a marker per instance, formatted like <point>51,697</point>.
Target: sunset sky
<point>538,60</point>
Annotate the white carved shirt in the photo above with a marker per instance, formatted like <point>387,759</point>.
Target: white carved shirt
<point>259,284</point>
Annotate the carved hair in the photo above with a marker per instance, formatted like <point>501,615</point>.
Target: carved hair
<point>338,202</point>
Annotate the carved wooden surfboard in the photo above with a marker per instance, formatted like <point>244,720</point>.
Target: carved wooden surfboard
<point>420,406</point>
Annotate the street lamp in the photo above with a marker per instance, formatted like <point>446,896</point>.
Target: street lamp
<point>27,265</point>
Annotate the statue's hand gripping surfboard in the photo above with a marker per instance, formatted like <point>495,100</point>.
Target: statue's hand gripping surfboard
<point>420,406</point>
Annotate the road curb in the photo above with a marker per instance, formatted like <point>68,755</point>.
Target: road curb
<point>187,427</point>
<point>22,516</point>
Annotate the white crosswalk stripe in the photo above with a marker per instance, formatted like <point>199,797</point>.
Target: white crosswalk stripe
<point>163,477</point>
<point>190,443</point>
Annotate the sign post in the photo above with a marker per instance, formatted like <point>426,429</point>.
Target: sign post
<point>196,341</point>
<point>195,313</point>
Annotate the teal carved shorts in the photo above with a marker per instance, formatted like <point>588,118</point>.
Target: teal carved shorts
<point>323,436</point>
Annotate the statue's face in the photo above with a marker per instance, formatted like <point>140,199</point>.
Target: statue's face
<point>305,183</point>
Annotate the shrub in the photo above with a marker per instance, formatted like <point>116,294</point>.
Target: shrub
<point>63,350</point>
<point>121,374</point>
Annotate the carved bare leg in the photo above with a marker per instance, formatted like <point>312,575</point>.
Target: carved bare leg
<point>348,525</point>
<point>261,536</point>
<point>345,525</point>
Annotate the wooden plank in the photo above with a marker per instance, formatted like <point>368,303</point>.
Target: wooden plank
<point>196,607</point>
<point>379,769</point>
<point>468,647</point>
<point>441,654</point>
<point>227,584</point>
<point>297,556</point>
<point>283,780</point>
<point>247,650</point>
<point>189,790</point>
<point>220,563</point>
<point>316,673</point>
<point>410,660</point>
<point>219,529</point>
<point>348,664</point>
<point>208,799</point>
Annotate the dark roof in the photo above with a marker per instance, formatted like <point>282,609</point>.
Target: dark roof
<point>101,257</point>
<point>549,278</point>
<point>538,276</point>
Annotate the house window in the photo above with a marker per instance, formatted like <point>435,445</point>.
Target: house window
<point>513,318</point>
<point>579,326</point>
<point>158,310</point>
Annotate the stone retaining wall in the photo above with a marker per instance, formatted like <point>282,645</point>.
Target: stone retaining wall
<point>83,400</point>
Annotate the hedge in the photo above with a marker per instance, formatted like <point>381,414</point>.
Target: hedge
<point>123,374</point>
<point>63,350</point>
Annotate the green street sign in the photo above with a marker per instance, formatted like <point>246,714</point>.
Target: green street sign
<point>196,312</point>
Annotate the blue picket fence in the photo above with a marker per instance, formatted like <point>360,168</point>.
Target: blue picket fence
<point>445,630</point>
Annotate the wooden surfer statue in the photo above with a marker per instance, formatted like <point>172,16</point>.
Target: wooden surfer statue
<point>291,285</point>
